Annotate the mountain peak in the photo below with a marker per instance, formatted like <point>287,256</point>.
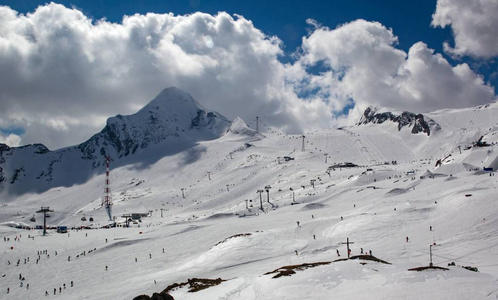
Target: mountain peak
<point>418,122</point>
<point>173,98</point>
<point>240,127</point>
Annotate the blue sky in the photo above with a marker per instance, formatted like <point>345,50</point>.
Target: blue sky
<point>68,77</point>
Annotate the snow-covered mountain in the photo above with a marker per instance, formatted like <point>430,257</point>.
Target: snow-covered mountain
<point>417,122</point>
<point>251,216</point>
<point>172,122</point>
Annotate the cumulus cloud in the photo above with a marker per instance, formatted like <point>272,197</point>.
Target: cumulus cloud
<point>12,140</point>
<point>474,25</point>
<point>365,65</point>
<point>63,74</point>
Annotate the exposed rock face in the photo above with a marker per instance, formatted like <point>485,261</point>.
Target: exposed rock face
<point>417,122</point>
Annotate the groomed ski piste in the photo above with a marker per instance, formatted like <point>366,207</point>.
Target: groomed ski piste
<point>395,192</point>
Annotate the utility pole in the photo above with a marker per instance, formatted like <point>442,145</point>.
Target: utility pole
<point>302,148</point>
<point>312,181</point>
<point>45,210</point>
<point>162,212</point>
<point>107,198</point>
<point>293,198</point>
<point>257,124</point>
<point>260,199</point>
<point>267,189</point>
<point>430,251</point>
<point>326,155</point>
<point>347,243</point>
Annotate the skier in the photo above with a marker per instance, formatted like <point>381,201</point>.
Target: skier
<point>407,239</point>
<point>106,268</point>
<point>337,250</point>
<point>71,283</point>
<point>361,250</point>
<point>430,228</point>
<point>55,291</point>
<point>46,293</point>
<point>297,223</point>
<point>370,252</point>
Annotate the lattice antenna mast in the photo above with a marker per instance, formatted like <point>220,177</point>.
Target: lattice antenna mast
<point>107,198</point>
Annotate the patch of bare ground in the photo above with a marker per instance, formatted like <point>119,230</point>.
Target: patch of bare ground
<point>428,268</point>
<point>289,270</point>
<point>233,236</point>
<point>195,284</point>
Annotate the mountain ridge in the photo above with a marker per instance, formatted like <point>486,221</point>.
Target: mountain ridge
<point>171,122</point>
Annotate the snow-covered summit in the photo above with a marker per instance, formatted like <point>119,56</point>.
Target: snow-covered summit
<point>239,126</point>
<point>172,122</point>
<point>173,114</point>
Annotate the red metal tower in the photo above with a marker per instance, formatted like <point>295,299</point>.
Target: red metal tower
<point>107,198</point>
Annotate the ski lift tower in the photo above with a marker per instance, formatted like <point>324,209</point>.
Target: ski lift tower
<point>45,210</point>
<point>107,199</point>
<point>303,137</point>
<point>257,124</point>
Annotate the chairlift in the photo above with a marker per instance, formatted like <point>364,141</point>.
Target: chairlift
<point>83,218</point>
<point>33,219</point>
<point>91,219</point>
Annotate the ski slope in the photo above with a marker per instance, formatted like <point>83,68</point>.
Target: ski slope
<point>375,205</point>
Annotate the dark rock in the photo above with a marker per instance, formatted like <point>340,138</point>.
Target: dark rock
<point>417,122</point>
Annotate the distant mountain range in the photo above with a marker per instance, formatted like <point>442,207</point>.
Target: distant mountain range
<point>171,123</point>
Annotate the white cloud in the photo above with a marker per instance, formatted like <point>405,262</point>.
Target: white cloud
<point>63,74</point>
<point>65,69</point>
<point>474,24</point>
<point>364,65</point>
<point>12,140</point>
